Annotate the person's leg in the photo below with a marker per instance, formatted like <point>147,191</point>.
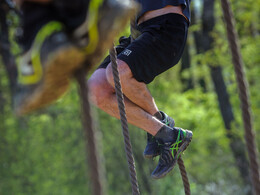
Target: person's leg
<point>103,96</point>
<point>173,141</point>
<point>136,91</point>
<point>145,67</point>
<point>152,148</point>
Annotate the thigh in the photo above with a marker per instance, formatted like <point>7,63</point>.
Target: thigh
<point>98,81</point>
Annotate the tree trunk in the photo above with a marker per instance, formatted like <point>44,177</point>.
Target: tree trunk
<point>185,65</point>
<point>198,39</point>
<point>236,143</point>
<point>7,57</point>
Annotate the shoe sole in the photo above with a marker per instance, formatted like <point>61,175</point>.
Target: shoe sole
<point>178,154</point>
<point>55,81</point>
<point>150,156</point>
<point>56,77</point>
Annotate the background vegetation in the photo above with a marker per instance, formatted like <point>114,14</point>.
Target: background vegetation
<point>44,153</point>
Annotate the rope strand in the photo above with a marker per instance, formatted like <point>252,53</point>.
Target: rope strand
<point>185,179</point>
<point>121,107</point>
<point>243,93</point>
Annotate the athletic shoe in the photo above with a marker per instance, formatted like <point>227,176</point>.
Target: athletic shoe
<point>170,152</point>
<point>46,68</point>
<point>113,17</point>
<point>152,148</point>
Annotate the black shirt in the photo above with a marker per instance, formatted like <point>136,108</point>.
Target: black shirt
<point>149,5</point>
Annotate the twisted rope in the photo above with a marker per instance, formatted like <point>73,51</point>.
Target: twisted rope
<point>90,135</point>
<point>243,93</point>
<point>185,179</point>
<point>121,107</point>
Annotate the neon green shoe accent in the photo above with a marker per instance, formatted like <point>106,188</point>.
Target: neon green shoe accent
<point>92,26</point>
<point>44,32</point>
<point>167,122</point>
<point>175,146</point>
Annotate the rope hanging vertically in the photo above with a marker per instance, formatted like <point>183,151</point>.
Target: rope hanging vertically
<point>90,135</point>
<point>128,147</point>
<point>243,93</point>
<point>121,107</point>
<point>185,179</point>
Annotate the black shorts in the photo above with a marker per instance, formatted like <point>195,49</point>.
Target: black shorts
<point>158,48</point>
<point>123,43</point>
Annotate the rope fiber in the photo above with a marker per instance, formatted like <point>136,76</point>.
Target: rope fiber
<point>121,107</point>
<point>128,147</point>
<point>185,179</point>
<point>243,93</point>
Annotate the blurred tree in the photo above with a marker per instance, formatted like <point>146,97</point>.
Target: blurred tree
<point>236,144</point>
<point>7,57</point>
<point>44,153</point>
<point>198,41</point>
<point>186,79</point>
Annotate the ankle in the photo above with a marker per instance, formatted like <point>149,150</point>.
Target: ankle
<point>166,135</point>
<point>158,115</point>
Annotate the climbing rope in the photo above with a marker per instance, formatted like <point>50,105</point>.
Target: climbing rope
<point>243,93</point>
<point>134,34</point>
<point>128,147</point>
<point>90,135</point>
<point>185,179</point>
<point>121,107</point>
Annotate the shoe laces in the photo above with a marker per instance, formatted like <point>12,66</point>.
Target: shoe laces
<point>169,150</point>
<point>175,146</point>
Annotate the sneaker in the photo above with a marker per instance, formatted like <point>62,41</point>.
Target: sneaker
<point>44,71</point>
<point>152,148</point>
<point>170,152</point>
<point>113,17</point>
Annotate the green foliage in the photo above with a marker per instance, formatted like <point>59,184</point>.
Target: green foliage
<point>44,153</point>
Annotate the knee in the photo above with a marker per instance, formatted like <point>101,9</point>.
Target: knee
<point>100,91</point>
<point>93,89</point>
<point>123,69</point>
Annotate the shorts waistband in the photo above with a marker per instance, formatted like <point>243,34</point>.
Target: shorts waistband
<point>171,16</point>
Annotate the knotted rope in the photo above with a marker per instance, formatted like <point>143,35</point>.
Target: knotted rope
<point>121,107</point>
<point>243,93</point>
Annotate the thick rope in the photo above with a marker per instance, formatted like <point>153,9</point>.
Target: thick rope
<point>184,176</point>
<point>121,107</point>
<point>243,94</point>
<point>90,135</point>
